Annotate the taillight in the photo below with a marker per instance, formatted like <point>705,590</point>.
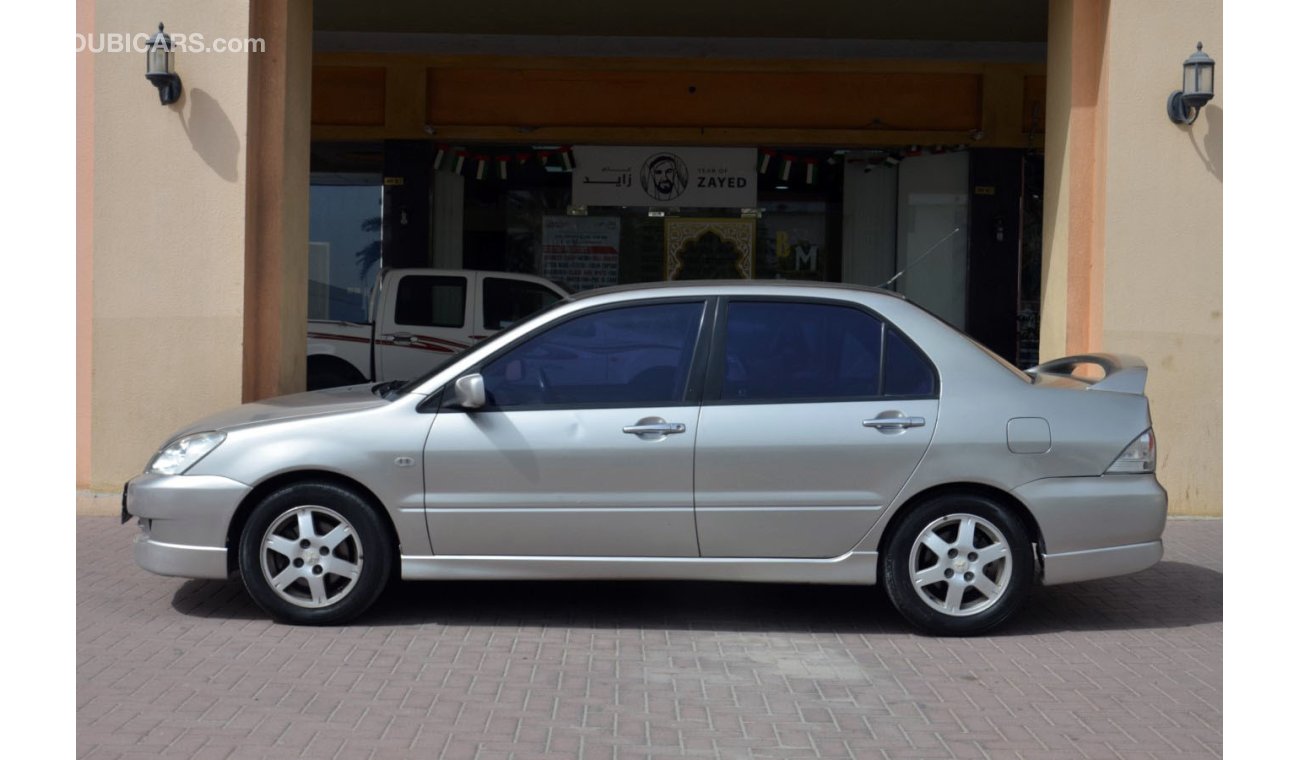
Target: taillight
<point>1138,456</point>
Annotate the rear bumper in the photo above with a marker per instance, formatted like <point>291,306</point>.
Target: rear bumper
<point>1097,527</point>
<point>183,522</point>
<point>1100,563</point>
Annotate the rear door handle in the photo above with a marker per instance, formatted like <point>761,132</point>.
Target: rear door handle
<point>894,423</point>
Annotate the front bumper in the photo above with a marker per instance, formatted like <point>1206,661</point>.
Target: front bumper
<point>184,520</point>
<point>1097,527</point>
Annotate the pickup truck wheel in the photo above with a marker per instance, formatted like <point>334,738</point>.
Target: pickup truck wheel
<point>958,565</point>
<point>314,554</point>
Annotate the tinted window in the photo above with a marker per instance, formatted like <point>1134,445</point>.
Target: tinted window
<point>782,351</point>
<point>506,301</point>
<point>907,373</point>
<point>429,301</point>
<point>632,355</point>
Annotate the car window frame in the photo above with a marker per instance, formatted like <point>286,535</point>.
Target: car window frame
<point>716,370</point>
<point>695,376</point>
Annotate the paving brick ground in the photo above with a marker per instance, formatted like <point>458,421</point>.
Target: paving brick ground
<point>1128,667</point>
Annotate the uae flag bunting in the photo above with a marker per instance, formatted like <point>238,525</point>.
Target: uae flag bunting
<point>765,157</point>
<point>439,155</point>
<point>458,166</point>
<point>787,163</point>
<point>566,157</point>
<point>544,156</point>
<point>502,163</point>
<point>480,165</point>
<point>522,158</point>
<point>810,170</point>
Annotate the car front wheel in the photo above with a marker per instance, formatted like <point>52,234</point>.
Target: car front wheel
<point>314,554</point>
<point>958,565</point>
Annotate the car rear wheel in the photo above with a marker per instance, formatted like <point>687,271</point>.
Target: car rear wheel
<point>314,554</point>
<point>958,565</point>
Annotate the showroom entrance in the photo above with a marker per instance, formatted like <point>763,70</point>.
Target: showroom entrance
<point>954,228</point>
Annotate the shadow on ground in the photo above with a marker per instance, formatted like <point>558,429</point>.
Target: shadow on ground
<point>1171,594</point>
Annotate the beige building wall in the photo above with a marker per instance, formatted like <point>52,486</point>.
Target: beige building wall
<point>1153,254</point>
<point>167,236</point>
<point>191,274</point>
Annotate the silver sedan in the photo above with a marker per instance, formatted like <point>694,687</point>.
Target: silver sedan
<point>724,431</point>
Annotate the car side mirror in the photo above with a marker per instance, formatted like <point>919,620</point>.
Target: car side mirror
<point>470,392</point>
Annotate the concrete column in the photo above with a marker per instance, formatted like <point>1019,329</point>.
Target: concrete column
<point>448,220</point>
<point>278,200</point>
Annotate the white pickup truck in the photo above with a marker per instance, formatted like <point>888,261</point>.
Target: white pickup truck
<point>419,318</point>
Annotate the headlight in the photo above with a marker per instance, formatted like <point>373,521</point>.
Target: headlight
<point>183,453</point>
<point>1138,456</point>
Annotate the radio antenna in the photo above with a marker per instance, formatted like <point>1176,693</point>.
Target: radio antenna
<point>919,259</point>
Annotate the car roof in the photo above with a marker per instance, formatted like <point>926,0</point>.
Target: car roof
<point>772,287</point>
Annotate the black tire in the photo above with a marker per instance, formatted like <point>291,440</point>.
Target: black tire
<point>987,590</point>
<point>351,575</point>
<point>325,371</point>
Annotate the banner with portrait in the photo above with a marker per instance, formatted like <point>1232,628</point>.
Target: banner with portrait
<point>665,177</point>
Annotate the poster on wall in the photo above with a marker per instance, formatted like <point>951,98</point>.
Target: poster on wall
<point>666,177</point>
<point>708,249</point>
<point>580,252</point>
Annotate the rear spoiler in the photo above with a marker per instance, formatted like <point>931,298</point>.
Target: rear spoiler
<point>1123,374</point>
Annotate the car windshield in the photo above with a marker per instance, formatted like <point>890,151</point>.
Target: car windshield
<point>410,385</point>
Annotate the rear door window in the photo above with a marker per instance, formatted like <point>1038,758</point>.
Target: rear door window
<point>786,351</point>
<point>430,301</point>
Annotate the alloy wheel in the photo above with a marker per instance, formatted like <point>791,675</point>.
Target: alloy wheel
<point>311,557</point>
<point>960,564</point>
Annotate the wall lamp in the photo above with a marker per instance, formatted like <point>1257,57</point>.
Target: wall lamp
<point>1198,88</point>
<point>160,69</point>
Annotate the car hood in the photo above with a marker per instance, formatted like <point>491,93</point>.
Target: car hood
<point>349,398</point>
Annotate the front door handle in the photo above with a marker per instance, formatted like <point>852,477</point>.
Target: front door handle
<point>654,426</point>
<point>400,339</point>
<point>894,423</point>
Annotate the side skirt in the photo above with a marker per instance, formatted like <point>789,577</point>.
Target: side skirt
<point>850,568</point>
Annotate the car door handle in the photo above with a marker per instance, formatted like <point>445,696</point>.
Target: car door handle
<point>655,428</point>
<point>894,423</point>
<point>400,339</point>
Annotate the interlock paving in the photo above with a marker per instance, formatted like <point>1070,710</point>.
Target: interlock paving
<point>1127,667</point>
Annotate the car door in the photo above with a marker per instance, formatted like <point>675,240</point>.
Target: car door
<point>815,414</point>
<point>423,323</point>
<point>585,446</point>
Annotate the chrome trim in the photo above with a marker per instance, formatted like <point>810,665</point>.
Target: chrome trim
<point>850,568</point>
